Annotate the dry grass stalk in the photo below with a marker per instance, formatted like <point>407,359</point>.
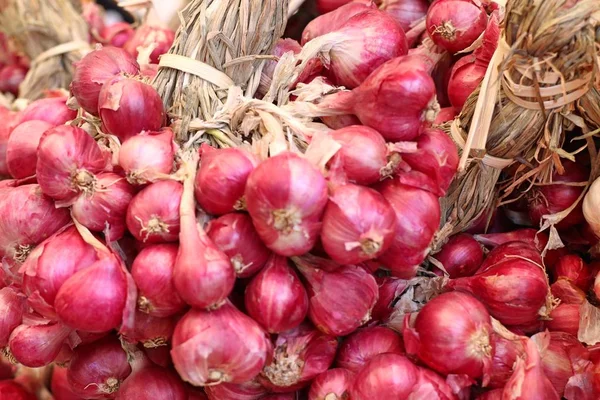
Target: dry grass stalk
<point>230,39</point>
<point>53,34</point>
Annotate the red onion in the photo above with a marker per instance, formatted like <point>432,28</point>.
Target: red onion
<point>98,369</point>
<point>11,119</point>
<point>387,376</point>
<point>203,275</point>
<point>12,307</point>
<point>221,179</point>
<point>68,159</point>
<point>94,16</point>
<point>389,289</point>
<point>358,224</point>
<point>451,334</point>
<point>11,77</point>
<point>235,236</point>
<point>456,24</point>
<point>148,156</point>
<point>37,344</point>
<point>97,68</point>
<point>21,150</point>
<point>282,396</point>
<point>146,35</point>
<point>300,355</point>
<point>508,251</point>
<point>340,300</point>
<point>366,343</point>
<point>153,214</point>
<point>326,6</point>
<point>276,298</point>
<point>105,204</point>
<point>286,196</point>
<point>334,20</point>
<point>331,385</point>
<point>567,292</point>
<point>529,382</point>
<point>514,291</point>
<point>461,256</point>
<point>468,72</point>
<point>128,106</point>
<point>417,220</point>
<point>27,217</point>
<point>574,269</point>
<point>446,114</point>
<point>363,155</point>
<point>556,197</point>
<point>505,353</point>
<point>150,331</point>
<point>53,110</point>
<point>117,34</point>
<point>564,318</point>
<point>152,272</point>
<point>224,345</point>
<point>251,390</point>
<point>10,389</point>
<point>406,12</point>
<point>61,390</point>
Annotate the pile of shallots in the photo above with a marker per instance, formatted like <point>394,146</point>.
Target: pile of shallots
<point>142,269</point>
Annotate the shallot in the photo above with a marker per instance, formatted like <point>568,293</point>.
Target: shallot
<point>360,347</point>
<point>148,156</point>
<point>332,384</point>
<point>37,343</point>
<point>406,12</point>
<point>117,34</point>
<point>52,110</point>
<point>386,376</point>
<point>461,256</point>
<point>145,35</point>
<point>21,149</point>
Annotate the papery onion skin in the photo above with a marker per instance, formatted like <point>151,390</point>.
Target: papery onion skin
<point>251,390</point>
<point>300,355</point>
<point>98,369</point>
<point>332,384</point>
<point>148,34</point>
<point>153,213</point>
<point>12,307</point>
<point>385,376</point>
<point>235,236</point>
<point>61,389</point>
<point>128,106</point>
<point>219,346</point>
<point>286,197</point>
<point>221,179</point>
<point>152,382</point>
<point>504,355</point>
<point>433,385</point>
<point>389,289</point>
<point>37,345</point>
<point>417,220</point>
<point>573,268</point>
<point>21,150</point>
<point>68,159</point>
<point>360,347</point>
<point>52,110</point>
<point>358,224</point>
<point>275,298</point>
<point>95,69</point>
<point>152,271</point>
<point>148,156</point>
<point>461,256</point>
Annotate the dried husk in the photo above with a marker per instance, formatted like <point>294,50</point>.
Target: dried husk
<point>38,27</point>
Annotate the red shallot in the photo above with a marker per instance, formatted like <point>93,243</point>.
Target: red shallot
<point>21,149</point>
<point>461,256</point>
<point>564,318</point>
<point>11,389</point>
<point>59,385</point>
<point>390,289</point>
<point>251,390</point>
<point>148,156</point>
<point>406,12</point>
<point>151,332</point>
<point>37,343</point>
<point>117,34</point>
<point>12,307</point>
<point>52,110</point>
<point>149,34</point>
<point>331,385</point>
<point>506,349</point>
<point>360,347</point>
<point>11,77</point>
<point>574,269</point>
<point>387,376</point>
<point>334,19</point>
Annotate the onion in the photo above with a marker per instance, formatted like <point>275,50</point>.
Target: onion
<point>461,256</point>
<point>286,196</point>
<point>153,214</point>
<point>98,369</point>
<point>152,272</point>
<point>12,307</point>
<point>436,159</point>
<point>67,161</point>
<point>406,12</point>
<point>21,149</point>
<point>334,20</point>
<point>11,77</point>
<point>97,68</point>
<point>27,217</point>
<point>340,300</point>
<point>363,154</point>
<point>61,390</point>
<point>221,179</point>
<point>505,353</point>
<point>511,250</point>
<point>300,355</point>
<point>451,334</point>
<point>574,269</point>
<point>276,298</point>
<point>128,106</point>
<point>224,345</point>
<point>556,197</point>
<point>117,34</point>
<point>455,24</point>
<point>529,382</point>
<point>152,332</point>
<point>94,17</point>
<point>417,220</point>
<point>11,119</point>
<point>358,224</point>
<point>251,390</point>
<point>446,114</point>
<point>52,110</point>
<point>514,291</point>
<point>148,34</point>
<point>564,318</point>
<point>10,389</point>
<point>567,292</point>
<point>340,121</point>
<point>203,275</point>
<point>390,376</point>
<point>389,290</point>
<point>38,343</point>
<point>326,6</point>
<point>235,236</point>
<point>366,343</point>
<point>331,385</point>
<point>148,156</point>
